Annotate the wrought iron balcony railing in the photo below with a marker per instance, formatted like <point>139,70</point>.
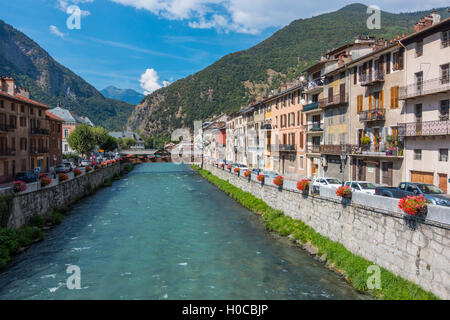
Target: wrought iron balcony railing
<point>38,151</point>
<point>287,147</point>
<point>39,131</point>
<point>314,84</point>
<point>314,148</point>
<point>311,106</point>
<point>6,127</point>
<point>424,88</point>
<point>425,128</point>
<point>332,101</point>
<point>369,79</point>
<point>5,152</point>
<point>372,115</point>
<point>314,127</point>
<point>337,148</point>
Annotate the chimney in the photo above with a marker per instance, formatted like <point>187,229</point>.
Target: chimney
<point>8,85</point>
<point>427,21</point>
<point>435,16</point>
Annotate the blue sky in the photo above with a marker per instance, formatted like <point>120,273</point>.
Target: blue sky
<point>144,44</point>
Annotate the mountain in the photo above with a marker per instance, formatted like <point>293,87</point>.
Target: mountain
<point>51,83</point>
<point>127,95</point>
<point>238,78</point>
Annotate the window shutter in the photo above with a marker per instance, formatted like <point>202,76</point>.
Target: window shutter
<point>400,59</point>
<point>381,99</point>
<point>370,102</point>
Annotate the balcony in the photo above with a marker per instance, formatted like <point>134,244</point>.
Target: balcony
<point>372,115</point>
<point>287,148</point>
<point>7,152</point>
<point>314,148</point>
<point>314,128</point>
<point>424,88</point>
<point>425,128</point>
<point>6,127</point>
<point>311,106</point>
<point>39,131</point>
<point>332,101</point>
<point>372,79</point>
<point>37,151</point>
<point>337,149</point>
<point>315,84</point>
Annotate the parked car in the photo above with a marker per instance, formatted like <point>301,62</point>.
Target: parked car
<point>432,193</point>
<point>26,176</point>
<point>62,168</point>
<point>362,186</point>
<point>85,163</point>
<point>270,174</point>
<point>325,181</point>
<point>70,165</point>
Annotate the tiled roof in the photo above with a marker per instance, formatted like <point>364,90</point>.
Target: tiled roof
<point>52,116</point>
<point>23,99</point>
<point>63,114</point>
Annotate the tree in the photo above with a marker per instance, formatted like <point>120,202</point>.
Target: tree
<point>109,145</point>
<point>82,139</point>
<point>100,136</point>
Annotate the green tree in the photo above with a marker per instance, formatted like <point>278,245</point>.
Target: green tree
<point>110,144</point>
<point>100,136</point>
<point>82,139</point>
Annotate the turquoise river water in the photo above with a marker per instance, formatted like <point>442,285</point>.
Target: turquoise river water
<point>162,232</point>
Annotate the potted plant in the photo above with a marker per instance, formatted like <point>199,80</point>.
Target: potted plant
<point>77,172</point>
<point>19,186</point>
<point>103,165</point>
<point>303,186</point>
<point>97,167</point>
<point>365,141</point>
<point>344,192</point>
<point>222,166</point>
<point>414,207</point>
<point>248,174</point>
<point>63,177</point>
<point>229,166</point>
<point>237,170</point>
<point>45,181</point>
<point>261,178</point>
<point>108,163</point>
<point>278,181</point>
<point>88,169</point>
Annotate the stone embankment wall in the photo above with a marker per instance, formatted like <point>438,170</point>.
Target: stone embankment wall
<point>46,199</point>
<point>371,227</point>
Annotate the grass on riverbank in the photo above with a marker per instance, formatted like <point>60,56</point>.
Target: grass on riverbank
<point>338,258</point>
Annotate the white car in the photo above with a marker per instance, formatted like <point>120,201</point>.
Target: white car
<point>85,163</point>
<point>325,181</point>
<point>362,186</point>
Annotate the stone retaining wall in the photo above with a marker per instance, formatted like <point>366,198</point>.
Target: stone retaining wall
<point>47,199</point>
<point>374,233</point>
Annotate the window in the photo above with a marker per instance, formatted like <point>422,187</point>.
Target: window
<point>23,121</point>
<point>355,75</point>
<point>300,162</point>
<point>445,73</point>
<point>394,133</point>
<point>417,154</point>
<point>443,111</point>
<point>66,148</point>
<point>330,117</point>
<point>22,108</point>
<point>342,116</point>
<point>292,118</point>
<point>394,97</point>
<point>445,39</point>
<point>13,107</point>
<point>443,155</point>
<point>419,48</point>
<point>66,133</point>
<point>2,104</point>
<point>388,63</point>
<point>359,102</point>
<point>330,139</point>
<point>301,139</point>
<point>418,112</point>
<point>419,81</point>
<point>397,60</point>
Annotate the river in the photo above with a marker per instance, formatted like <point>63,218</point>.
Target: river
<point>162,232</point>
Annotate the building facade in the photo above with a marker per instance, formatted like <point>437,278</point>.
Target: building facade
<point>55,143</point>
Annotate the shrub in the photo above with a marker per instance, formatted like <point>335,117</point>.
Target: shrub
<point>88,169</point>
<point>55,218</point>
<point>107,182</point>
<point>128,168</point>
<point>19,186</point>
<point>413,205</point>
<point>278,181</point>
<point>45,181</point>
<point>303,185</point>
<point>37,221</point>
<point>365,140</point>
<point>247,173</point>
<point>260,177</point>
<point>77,172</point>
<point>63,177</point>
<point>343,191</point>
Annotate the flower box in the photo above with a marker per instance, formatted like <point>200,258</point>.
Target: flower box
<point>413,205</point>
<point>88,169</point>
<point>261,178</point>
<point>344,192</point>
<point>303,186</point>
<point>77,172</point>
<point>63,177</point>
<point>278,181</point>
<point>45,181</point>
<point>19,186</point>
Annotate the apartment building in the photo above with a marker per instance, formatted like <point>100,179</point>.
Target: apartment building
<point>24,132</point>
<point>55,140</point>
<point>236,148</point>
<point>255,137</point>
<point>375,113</point>
<point>426,94</point>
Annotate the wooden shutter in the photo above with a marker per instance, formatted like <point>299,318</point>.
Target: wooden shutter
<point>301,140</point>
<point>381,99</point>
<point>360,103</point>
<point>400,58</point>
<point>370,102</point>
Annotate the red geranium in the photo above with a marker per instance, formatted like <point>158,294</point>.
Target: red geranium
<point>63,177</point>
<point>88,169</point>
<point>343,191</point>
<point>77,172</point>
<point>260,177</point>
<point>103,164</point>
<point>412,205</point>
<point>278,181</point>
<point>45,181</point>
<point>247,173</point>
<point>303,185</point>
<point>236,170</point>
<point>97,167</point>
<point>19,186</point>
<point>108,162</point>
<point>229,166</point>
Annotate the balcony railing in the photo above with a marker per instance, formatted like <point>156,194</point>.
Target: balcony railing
<point>38,151</point>
<point>287,147</point>
<point>369,79</point>
<point>311,106</point>
<point>337,148</point>
<point>314,84</point>
<point>425,128</point>
<point>39,131</point>
<point>372,115</point>
<point>335,100</point>
<point>5,152</point>
<point>314,127</point>
<point>6,127</point>
<point>424,88</point>
<point>315,148</point>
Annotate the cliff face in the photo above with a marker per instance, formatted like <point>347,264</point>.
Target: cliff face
<point>238,78</point>
<point>51,83</point>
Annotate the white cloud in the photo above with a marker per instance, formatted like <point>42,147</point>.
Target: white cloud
<point>54,30</point>
<point>64,4</point>
<point>253,16</point>
<point>150,81</point>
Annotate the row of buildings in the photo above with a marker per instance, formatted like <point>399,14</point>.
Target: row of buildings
<point>371,110</point>
<point>31,134</point>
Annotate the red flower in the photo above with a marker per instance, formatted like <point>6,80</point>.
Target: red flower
<point>45,181</point>
<point>236,170</point>
<point>260,177</point>
<point>343,191</point>
<point>88,169</point>
<point>303,185</point>
<point>229,166</point>
<point>63,177</point>
<point>278,181</point>
<point>77,172</point>
<point>247,173</point>
<point>19,186</point>
<point>412,205</point>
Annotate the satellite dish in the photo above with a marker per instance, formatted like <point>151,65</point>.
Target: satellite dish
<point>303,101</point>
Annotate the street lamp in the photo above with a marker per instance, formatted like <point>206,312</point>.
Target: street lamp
<point>343,160</point>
